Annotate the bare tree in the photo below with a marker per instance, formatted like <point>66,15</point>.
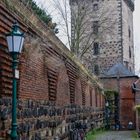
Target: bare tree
<point>86,25</point>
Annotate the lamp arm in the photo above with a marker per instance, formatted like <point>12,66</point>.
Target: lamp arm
<point>137,89</point>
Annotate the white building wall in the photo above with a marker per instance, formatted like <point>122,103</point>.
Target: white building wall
<point>128,44</point>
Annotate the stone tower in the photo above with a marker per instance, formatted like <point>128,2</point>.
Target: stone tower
<point>108,28</point>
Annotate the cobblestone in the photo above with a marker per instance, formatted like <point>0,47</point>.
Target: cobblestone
<point>116,135</point>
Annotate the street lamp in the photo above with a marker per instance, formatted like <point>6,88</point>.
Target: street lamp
<point>15,41</point>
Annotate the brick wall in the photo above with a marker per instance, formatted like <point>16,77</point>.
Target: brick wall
<point>137,103</point>
<point>54,89</point>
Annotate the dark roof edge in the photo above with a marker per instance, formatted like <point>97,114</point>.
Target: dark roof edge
<point>109,77</point>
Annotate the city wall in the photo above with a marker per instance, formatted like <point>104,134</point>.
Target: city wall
<point>55,93</point>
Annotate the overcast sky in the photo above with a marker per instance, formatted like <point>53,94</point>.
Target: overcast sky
<point>48,6</point>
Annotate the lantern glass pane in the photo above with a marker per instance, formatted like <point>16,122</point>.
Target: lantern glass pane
<point>21,44</point>
<point>17,43</point>
<point>10,43</point>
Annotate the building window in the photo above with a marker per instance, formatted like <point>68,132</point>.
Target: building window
<point>130,69</point>
<point>95,27</point>
<point>72,1</point>
<point>95,7</point>
<point>96,48</point>
<point>96,70</point>
<point>130,52</point>
<point>129,31</point>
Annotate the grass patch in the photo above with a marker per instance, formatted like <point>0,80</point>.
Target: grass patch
<point>135,135</point>
<point>94,133</point>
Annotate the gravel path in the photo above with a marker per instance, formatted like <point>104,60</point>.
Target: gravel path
<point>116,135</point>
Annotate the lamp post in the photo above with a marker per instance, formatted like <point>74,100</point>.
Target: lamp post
<point>15,41</point>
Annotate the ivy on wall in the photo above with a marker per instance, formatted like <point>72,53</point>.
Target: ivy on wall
<point>111,96</point>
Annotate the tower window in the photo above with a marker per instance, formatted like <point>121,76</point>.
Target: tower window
<point>130,52</point>
<point>95,7</point>
<point>130,69</point>
<point>95,27</point>
<point>96,48</point>
<point>96,70</point>
<point>129,31</point>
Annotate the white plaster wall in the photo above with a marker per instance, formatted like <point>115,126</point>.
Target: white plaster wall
<point>128,41</point>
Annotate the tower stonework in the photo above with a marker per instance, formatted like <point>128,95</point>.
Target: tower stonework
<point>109,24</point>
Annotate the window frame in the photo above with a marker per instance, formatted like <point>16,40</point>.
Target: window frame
<point>96,50</point>
<point>95,27</point>
<point>95,7</point>
<point>96,69</point>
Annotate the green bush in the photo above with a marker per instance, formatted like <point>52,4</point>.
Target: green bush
<point>46,18</point>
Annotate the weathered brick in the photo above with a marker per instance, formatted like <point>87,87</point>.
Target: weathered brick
<point>52,86</point>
